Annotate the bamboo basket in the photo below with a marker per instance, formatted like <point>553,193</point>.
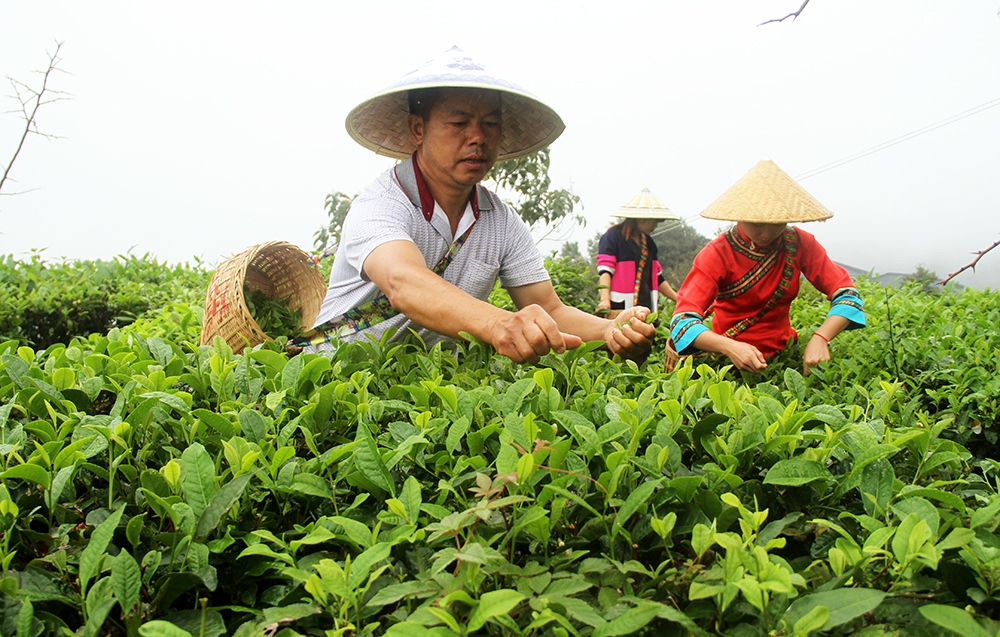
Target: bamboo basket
<point>278,269</point>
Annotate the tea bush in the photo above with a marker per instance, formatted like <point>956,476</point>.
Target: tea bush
<point>152,486</point>
<point>45,303</point>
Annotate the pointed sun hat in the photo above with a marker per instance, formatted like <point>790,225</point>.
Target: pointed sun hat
<point>766,194</point>
<point>645,205</point>
<point>380,123</point>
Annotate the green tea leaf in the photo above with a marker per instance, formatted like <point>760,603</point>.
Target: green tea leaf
<point>876,486</point>
<point>844,605</point>
<point>26,618</point>
<point>197,478</point>
<point>126,580</point>
<point>369,462</point>
<point>208,623</point>
<point>29,473</point>
<point>629,622</point>
<point>636,500</point>
<point>220,504</point>
<point>96,616</point>
<point>90,558</point>
<point>796,472</point>
<point>795,383</point>
<point>222,425</point>
<point>812,621</point>
<point>491,605</point>
<point>956,620</point>
<point>312,484</point>
<point>160,628</point>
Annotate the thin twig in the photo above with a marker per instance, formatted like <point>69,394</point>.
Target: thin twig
<point>790,15</point>
<point>979,255</point>
<point>32,100</point>
<point>892,339</point>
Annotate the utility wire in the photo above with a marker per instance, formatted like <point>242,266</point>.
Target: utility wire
<point>874,149</point>
<point>901,138</point>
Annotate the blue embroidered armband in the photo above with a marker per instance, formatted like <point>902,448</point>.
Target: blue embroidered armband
<point>848,303</point>
<point>684,328</point>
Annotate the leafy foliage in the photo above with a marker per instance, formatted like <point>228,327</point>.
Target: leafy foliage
<point>337,205</point>
<point>45,303</point>
<point>574,280</point>
<point>273,316</point>
<point>526,182</point>
<point>384,488</point>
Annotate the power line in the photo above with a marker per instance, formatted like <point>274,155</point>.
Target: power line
<point>901,138</point>
<point>874,149</point>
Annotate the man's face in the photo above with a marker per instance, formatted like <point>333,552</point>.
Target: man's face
<point>458,141</point>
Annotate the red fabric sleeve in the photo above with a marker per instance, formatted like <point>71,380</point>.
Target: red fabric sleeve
<point>825,275</point>
<point>701,285</point>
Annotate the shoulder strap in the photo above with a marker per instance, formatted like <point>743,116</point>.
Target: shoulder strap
<point>373,312</point>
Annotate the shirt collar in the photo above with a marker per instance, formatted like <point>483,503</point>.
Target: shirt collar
<point>412,182</point>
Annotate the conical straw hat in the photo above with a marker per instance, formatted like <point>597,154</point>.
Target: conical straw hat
<point>766,194</point>
<point>645,205</point>
<point>380,123</point>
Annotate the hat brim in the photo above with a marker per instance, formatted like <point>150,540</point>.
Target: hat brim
<point>645,214</point>
<point>381,123</point>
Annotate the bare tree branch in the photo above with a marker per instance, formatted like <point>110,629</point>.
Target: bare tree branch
<point>792,15</point>
<point>31,101</point>
<point>979,255</point>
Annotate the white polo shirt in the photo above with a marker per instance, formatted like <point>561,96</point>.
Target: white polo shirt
<point>499,245</point>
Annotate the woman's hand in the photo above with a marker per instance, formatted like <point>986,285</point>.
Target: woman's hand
<point>745,357</point>
<point>817,351</point>
<point>604,305</point>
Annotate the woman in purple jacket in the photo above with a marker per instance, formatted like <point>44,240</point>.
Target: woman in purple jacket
<point>630,274</point>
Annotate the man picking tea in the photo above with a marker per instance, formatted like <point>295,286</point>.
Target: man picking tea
<point>424,244</point>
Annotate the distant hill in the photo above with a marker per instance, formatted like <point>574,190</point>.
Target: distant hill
<point>889,279</point>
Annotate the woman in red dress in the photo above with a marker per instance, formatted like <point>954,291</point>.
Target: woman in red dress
<point>747,277</point>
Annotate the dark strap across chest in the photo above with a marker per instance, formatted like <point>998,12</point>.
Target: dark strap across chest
<point>380,309</point>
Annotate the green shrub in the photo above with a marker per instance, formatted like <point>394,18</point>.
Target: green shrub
<point>46,303</point>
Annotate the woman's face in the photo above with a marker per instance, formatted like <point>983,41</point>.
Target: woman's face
<point>762,234</point>
<point>646,226</point>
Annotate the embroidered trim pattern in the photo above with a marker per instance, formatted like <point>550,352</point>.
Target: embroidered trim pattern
<point>682,323</point>
<point>766,259</point>
<point>848,297</point>
<point>790,243</point>
<point>643,257</point>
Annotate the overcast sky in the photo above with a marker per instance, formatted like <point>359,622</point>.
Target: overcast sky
<point>197,129</point>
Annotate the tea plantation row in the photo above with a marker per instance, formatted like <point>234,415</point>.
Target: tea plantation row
<point>154,487</point>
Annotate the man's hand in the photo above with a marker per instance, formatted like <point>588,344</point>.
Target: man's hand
<point>628,334</point>
<point>817,351</point>
<point>528,334</point>
<point>745,357</point>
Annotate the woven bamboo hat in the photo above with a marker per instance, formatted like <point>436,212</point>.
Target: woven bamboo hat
<point>766,194</point>
<point>645,205</point>
<point>381,123</point>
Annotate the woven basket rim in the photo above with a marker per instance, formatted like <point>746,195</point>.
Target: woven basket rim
<point>289,274</point>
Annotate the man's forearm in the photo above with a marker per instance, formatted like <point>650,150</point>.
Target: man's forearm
<point>428,300</point>
<point>575,321</point>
